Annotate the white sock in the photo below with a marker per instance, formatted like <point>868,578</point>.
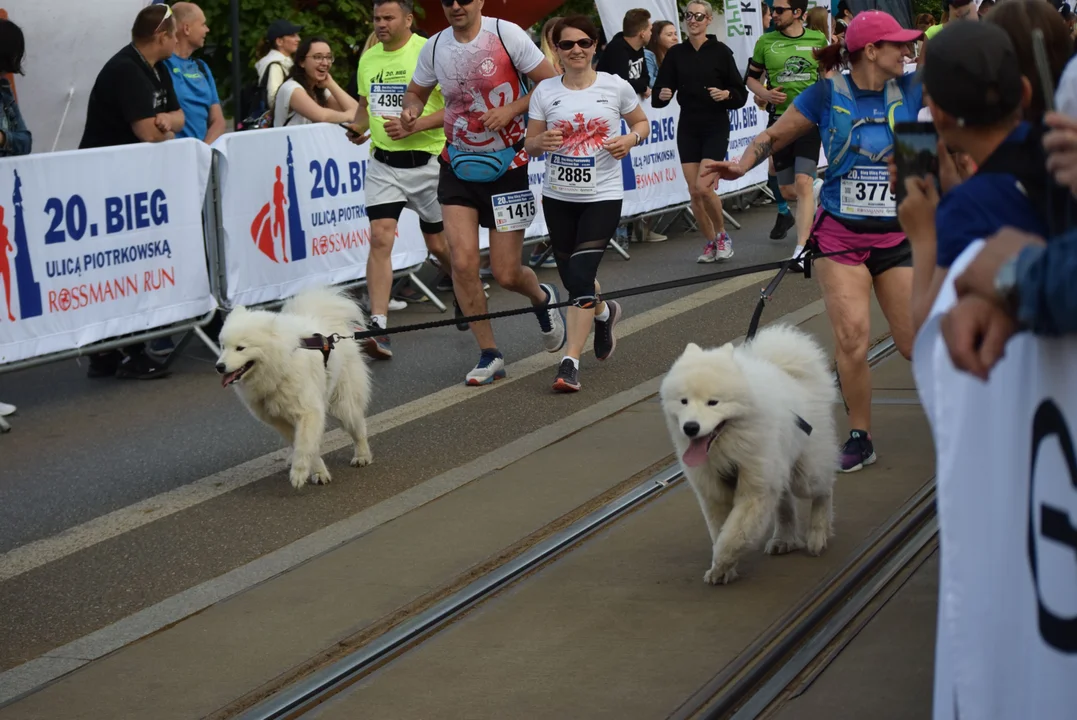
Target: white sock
<point>799,251</point>
<point>574,361</point>
<point>381,320</point>
<point>605,314</point>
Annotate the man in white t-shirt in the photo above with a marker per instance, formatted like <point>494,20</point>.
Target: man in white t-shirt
<point>479,63</point>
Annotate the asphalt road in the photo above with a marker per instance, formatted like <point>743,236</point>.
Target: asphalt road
<point>82,448</point>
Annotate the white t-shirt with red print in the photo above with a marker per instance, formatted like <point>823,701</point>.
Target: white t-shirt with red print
<point>476,77</point>
<point>581,170</point>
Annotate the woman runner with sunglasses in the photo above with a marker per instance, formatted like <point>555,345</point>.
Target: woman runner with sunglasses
<point>703,73</point>
<point>576,120</point>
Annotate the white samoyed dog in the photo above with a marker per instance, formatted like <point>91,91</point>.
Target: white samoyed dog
<point>289,387</point>
<point>754,427</point>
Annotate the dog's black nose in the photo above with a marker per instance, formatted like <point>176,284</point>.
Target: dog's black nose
<point>691,429</point>
<point>220,368</point>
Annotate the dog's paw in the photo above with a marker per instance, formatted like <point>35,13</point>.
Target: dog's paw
<point>362,460</point>
<point>817,540</point>
<point>720,575</point>
<point>298,478</point>
<point>782,546</point>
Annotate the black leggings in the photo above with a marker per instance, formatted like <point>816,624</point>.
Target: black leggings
<point>579,233</point>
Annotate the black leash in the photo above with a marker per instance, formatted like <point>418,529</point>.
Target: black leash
<point>326,343</point>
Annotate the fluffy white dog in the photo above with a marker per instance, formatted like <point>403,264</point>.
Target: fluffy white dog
<point>289,387</point>
<point>754,427</point>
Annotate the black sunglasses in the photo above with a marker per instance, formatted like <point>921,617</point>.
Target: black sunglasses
<point>780,10</point>
<point>698,17</point>
<point>461,3</point>
<point>584,43</point>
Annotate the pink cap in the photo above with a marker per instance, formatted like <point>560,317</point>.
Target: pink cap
<point>873,27</point>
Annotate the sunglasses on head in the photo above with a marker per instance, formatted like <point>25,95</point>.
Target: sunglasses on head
<point>584,43</point>
<point>461,3</point>
<point>698,17</point>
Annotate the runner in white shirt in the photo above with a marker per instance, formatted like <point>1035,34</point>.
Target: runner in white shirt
<point>479,64</point>
<point>576,120</point>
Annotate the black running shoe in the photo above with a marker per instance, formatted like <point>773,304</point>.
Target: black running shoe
<point>605,340</point>
<point>782,225</point>
<point>568,378</point>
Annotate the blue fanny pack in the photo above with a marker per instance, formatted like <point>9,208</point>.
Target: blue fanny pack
<point>481,167</point>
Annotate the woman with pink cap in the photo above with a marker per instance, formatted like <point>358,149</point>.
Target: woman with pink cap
<point>855,114</point>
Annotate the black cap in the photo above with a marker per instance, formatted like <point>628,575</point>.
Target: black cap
<point>971,72</point>
<point>282,28</point>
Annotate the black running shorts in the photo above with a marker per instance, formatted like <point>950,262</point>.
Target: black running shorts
<point>800,157</point>
<point>454,191</point>
<point>702,139</point>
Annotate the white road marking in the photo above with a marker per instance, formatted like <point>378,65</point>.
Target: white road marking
<point>27,557</point>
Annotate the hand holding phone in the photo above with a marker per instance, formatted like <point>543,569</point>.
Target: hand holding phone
<point>915,153</point>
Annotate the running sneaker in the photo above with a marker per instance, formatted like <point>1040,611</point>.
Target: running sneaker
<point>782,225</point>
<point>858,452</point>
<point>551,321</point>
<point>605,340</point>
<point>817,188</point>
<point>6,409</point>
<point>378,347</point>
<point>491,367</point>
<point>568,377</point>
<point>710,252</point>
<point>718,249</point>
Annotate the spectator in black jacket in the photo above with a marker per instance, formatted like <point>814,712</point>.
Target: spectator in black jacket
<point>624,55</point>
<point>703,74</point>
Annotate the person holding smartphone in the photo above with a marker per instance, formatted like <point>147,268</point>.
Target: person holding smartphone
<point>575,119</point>
<point>855,114</point>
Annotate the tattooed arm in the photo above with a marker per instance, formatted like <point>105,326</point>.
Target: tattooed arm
<point>790,126</point>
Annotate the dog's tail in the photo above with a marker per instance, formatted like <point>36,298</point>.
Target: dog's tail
<point>336,311</point>
<point>797,354</point>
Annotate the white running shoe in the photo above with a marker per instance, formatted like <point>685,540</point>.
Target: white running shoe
<point>491,367</point>
<point>6,409</point>
<point>817,187</point>
<point>725,246</point>
<point>551,321</point>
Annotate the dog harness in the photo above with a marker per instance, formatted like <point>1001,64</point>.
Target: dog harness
<point>324,343</point>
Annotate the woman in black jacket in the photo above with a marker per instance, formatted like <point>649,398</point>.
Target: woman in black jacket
<point>703,74</point>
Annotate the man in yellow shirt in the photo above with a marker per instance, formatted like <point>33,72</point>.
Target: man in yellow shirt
<point>403,171</point>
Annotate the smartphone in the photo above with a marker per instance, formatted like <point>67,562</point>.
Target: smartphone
<point>916,153</point>
<point>1043,69</point>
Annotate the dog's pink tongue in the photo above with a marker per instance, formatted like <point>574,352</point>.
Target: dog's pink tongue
<point>696,454</point>
<point>226,380</point>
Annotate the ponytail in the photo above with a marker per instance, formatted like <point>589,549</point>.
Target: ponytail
<point>834,57</point>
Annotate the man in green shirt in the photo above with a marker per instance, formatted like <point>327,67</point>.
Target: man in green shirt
<point>786,56</point>
<point>403,171</point>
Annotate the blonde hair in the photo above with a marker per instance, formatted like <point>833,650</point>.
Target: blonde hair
<point>547,47</point>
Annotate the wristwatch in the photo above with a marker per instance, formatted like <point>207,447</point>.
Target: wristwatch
<point>1006,284</point>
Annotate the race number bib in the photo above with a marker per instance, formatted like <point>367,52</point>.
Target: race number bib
<point>514,210</point>
<point>866,192</point>
<point>387,99</point>
<point>572,175</point>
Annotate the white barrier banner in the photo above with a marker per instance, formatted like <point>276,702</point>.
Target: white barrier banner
<point>739,28</point>
<point>100,243</point>
<point>1007,500</point>
<point>294,213</point>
